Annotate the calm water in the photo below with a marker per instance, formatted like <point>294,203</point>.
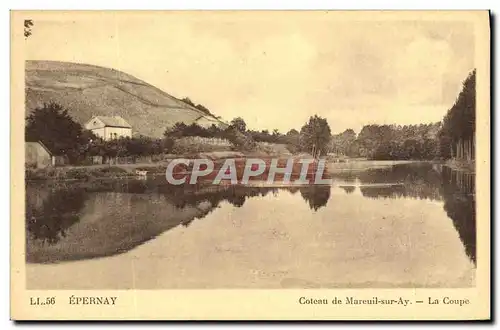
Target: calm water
<point>404,226</point>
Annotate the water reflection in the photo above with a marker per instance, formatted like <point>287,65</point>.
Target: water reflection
<point>460,206</point>
<point>316,196</point>
<point>348,189</point>
<point>402,181</point>
<point>425,181</point>
<point>50,213</point>
<point>72,224</point>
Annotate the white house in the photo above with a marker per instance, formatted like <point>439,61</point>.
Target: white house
<point>109,128</point>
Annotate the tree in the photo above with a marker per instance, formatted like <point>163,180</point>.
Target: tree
<point>135,147</point>
<point>315,135</point>
<point>239,140</point>
<point>200,107</point>
<point>165,145</point>
<point>176,131</point>
<point>52,125</point>
<point>316,196</point>
<point>457,135</point>
<point>203,109</point>
<point>292,140</point>
<point>342,142</point>
<point>239,124</point>
<point>188,101</point>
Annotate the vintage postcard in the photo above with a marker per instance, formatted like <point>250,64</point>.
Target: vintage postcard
<point>250,165</point>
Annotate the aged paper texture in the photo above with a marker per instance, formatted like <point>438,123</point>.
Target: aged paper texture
<point>250,165</point>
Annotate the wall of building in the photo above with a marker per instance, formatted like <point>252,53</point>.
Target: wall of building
<point>36,155</point>
<point>108,133</point>
<point>116,132</point>
<point>98,131</point>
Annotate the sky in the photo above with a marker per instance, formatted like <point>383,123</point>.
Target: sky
<point>275,69</point>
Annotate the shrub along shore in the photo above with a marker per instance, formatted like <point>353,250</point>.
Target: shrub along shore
<point>124,171</point>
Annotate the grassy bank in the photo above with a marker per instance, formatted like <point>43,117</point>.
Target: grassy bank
<point>101,172</point>
<point>88,173</point>
<point>118,171</point>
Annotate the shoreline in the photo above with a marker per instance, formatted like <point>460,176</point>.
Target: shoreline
<point>115,173</point>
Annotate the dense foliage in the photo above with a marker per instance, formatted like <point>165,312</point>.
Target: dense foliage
<point>200,107</point>
<point>457,134</point>
<point>391,142</point>
<point>453,138</point>
<point>181,130</point>
<point>52,125</point>
<point>315,136</point>
<point>126,147</point>
<point>241,140</point>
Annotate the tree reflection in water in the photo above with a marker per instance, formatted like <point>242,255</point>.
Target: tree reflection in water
<point>460,206</point>
<point>348,189</point>
<point>409,180</point>
<point>425,181</point>
<point>51,212</point>
<point>316,196</point>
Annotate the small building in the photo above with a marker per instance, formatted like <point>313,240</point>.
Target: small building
<point>39,156</point>
<point>109,128</point>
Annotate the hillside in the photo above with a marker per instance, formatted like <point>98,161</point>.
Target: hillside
<point>87,90</point>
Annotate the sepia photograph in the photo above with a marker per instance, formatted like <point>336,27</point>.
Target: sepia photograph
<point>213,150</point>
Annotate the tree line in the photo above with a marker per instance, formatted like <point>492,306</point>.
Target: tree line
<point>451,138</point>
<point>457,136</point>
<point>389,142</point>
<point>315,134</point>
<point>54,127</point>
<point>200,107</point>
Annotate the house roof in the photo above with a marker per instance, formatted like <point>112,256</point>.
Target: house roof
<point>113,121</point>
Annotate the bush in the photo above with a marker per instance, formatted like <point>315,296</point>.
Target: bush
<point>293,148</point>
<point>77,174</point>
<point>188,145</point>
<point>39,173</point>
<point>114,170</point>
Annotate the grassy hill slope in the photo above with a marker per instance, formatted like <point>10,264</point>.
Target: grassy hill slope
<point>87,90</point>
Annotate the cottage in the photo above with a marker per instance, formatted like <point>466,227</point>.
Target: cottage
<point>109,128</point>
<point>39,156</point>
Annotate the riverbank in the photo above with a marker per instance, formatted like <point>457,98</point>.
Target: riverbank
<point>77,174</point>
<point>116,171</point>
<point>93,173</point>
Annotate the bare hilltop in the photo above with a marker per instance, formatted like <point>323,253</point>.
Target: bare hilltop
<point>87,90</point>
